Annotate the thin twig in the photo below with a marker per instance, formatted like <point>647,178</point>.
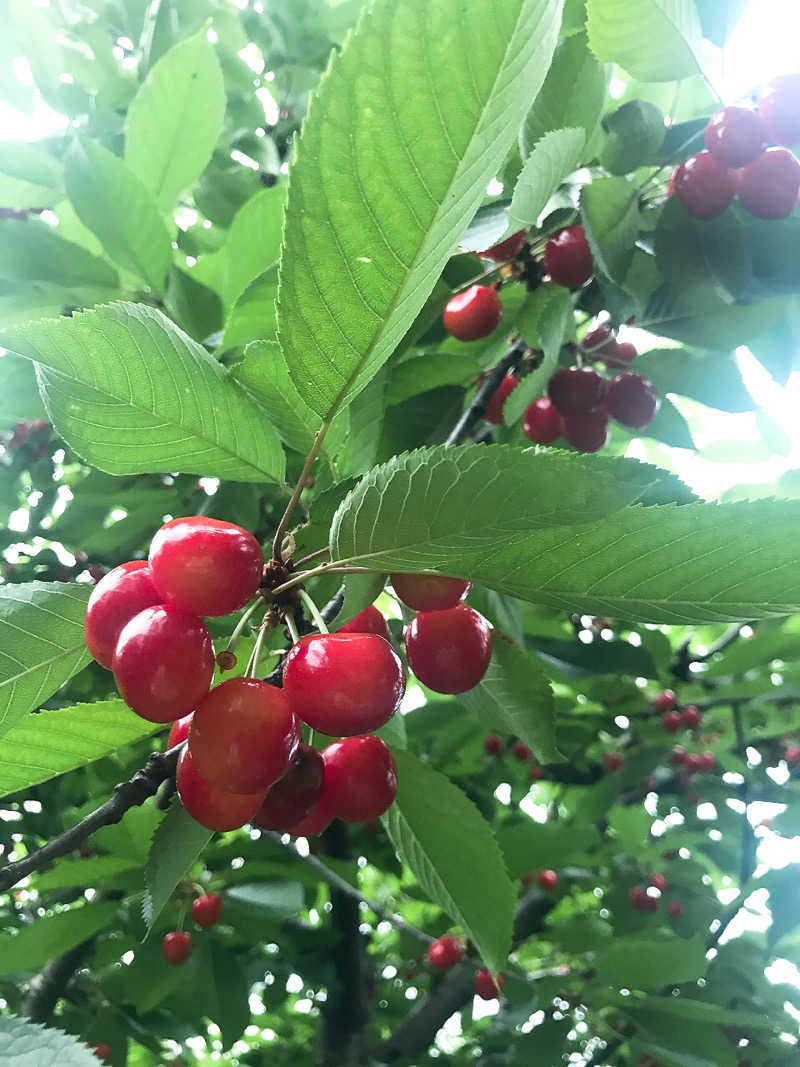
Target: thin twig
<point>283,525</point>
<point>479,403</point>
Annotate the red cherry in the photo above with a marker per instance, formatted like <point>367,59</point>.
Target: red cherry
<point>632,400</point>
<point>528,879</point>
<point>368,621</point>
<point>612,761</point>
<point>736,135</point>
<point>505,250</point>
<point>779,107</point>
<point>575,390</point>
<point>179,731</point>
<point>599,342</point>
<point>473,314</point>
<point>318,819</point>
<point>176,947</point>
<point>296,794</point>
<point>497,401</point>
<point>691,717</point>
<point>624,352</point>
<point>568,258</point>
<point>536,772</point>
<point>493,745</point>
<point>485,986</point>
<point>243,735</point>
<point>207,909</point>
<point>641,900</point>
<point>163,663</point>
<point>521,751</point>
<point>678,756</point>
<point>449,651</point>
<point>445,952</point>
<point>769,186</point>
<point>360,777</point>
<point>116,598</point>
<point>587,431</point>
<point>206,566</point>
<point>429,592</point>
<point>671,721</point>
<point>103,1052</point>
<point>666,700</point>
<point>541,422</point>
<point>792,755</point>
<point>211,807</point>
<point>675,909</point>
<point>548,879</point>
<point>707,762</point>
<point>704,186</point>
<point>659,881</point>
<point>343,684</point>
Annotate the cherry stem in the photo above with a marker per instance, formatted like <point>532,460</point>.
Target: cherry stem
<point>233,640</point>
<point>283,525</point>
<point>481,277</point>
<point>252,665</point>
<point>291,626</point>
<point>325,568</point>
<point>312,555</point>
<point>313,611</point>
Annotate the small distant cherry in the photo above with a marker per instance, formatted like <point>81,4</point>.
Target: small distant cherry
<point>176,947</point>
<point>368,621</point>
<point>449,651</point>
<point>207,909</point>
<point>505,250</point>
<point>586,431</point>
<point>473,314</point>
<point>768,187</point>
<point>360,777</point>
<point>117,597</point>
<point>211,807</point>
<point>528,879</point>
<point>666,700</point>
<point>779,107</point>
<point>793,755</point>
<point>675,909</point>
<point>576,390</point>
<point>707,762</point>
<point>430,592</point>
<point>736,135</point>
<point>521,751</point>
<point>659,882</point>
<point>612,761</point>
<point>599,342</point>
<point>445,952</point>
<point>493,745</point>
<point>672,721</point>
<point>485,986</point>
<point>691,717</point>
<point>497,401</point>
<point>568,258</point>
<point>548,879</point>
<point>678,756</point>
<point>631,400</point>
<point>541,422</point>
<point>704,185</point>
<point>295,795</point>
<point>536,772</point>
<point>641,900</point>
<point>103,1052</point>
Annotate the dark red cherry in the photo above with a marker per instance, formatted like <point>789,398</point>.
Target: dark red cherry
<point>541,422</point>
<point>769,186</point>
<point>568,258</point>
<point>163,663</point>
<point>429,592</point>
<point>659,882</point>
<point>521,751</point>
<point>736,135</point>
<point>243,735</point>
<point>343,684</point>
<point>179,731</point>
<point>473,314</point>
<point>574,390</point>
<point>587,431</point>
<point>318,819</point>
<point>671,721</point>
<point>666,700</point>
<point>211,807</point>
<point>103,1052</point>
<point>779,107</point>
<point>449,651</point>
<point>360,777</point>
<point>206,566</point>
<point>548,879</point>
<point>207,909</point>
<point>445,952</point>
<point>675,909</point>
<point>485,986</point>
<point>296,794</point>
<point>599,342</point>
<point>116,598</point>
<point>691,717</point>
<point>612,761</point>
<point>368,621</point>
<point>493,745</point>
<point>631,399</point>
<point>624,352</point>
<point>704,185</point>
<point>176,947</point>
<point>497,401</point>
<point>505,250</point>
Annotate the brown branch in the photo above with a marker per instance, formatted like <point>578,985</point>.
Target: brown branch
<point>477,408</point>
<point>49,984</point>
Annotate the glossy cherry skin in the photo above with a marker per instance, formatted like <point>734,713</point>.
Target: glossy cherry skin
<point>211,807</point>
<point>548,879</point>
<point>445,952</point>
<point>497,401</point>
<point>368,621</point>
<point>587,431</point>
<point>493,745</point>
<point>704,186</point>
<point>360,777</point>
<point>671,721</point>
<point>179,731</point>
<point>343,684</point>
<point>243,735</point>
<point>449,651</point>
<point>632,400</point>
<point>318,819</point>
<point>506,250</point>
<point>473,314</point>
<point>163,663</point>
<point>176,947</point>
<point>575,390</point>
<point>541,422</point>
<point>612,761</point>
<point>624,352</point>
<point>485,987</point>
<point>296,794</point>
<point>206,566</point>
<point>207,909</point>
<point>599,342</point>
<point>675,909</point>
<point>429,592</point>
<point>736,135</point>
<point>691,717</point>
<point>769,186</point>
<point>568,258</point>
<point>779,107</point>
<point>116,598</point>
<point>521,751</point>
<point>666,700</point>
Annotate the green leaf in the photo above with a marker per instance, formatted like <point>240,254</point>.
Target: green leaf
<point>280,900</point>
<point>700,1011</point>
<point>610,212</point>
<point>51,935</point>
<point>27,1044</point>
<point>713,253</point>
<point>360,447</point>
<point>19,397</point>
<point>112,202</point>
<point>35,252</point>
<point>360,590</point>
<point>707,321</point>
<point>430,371</point>
<point>252,317</point>
<point>41,644</point>
<point>132,393</point>
<point>543,321</point>
<point>555,156</point>
<point>175,118</point>
<point>654,40</point>
<point>232,988</point>
<point>177,843</point>
<point>642,964</point>
<point>29,176</point>
<point>782,886</point>
<point>515,697</point>
<point>573,94</point>
<point>454,856</point>
<point>634,132</point>
<point>713,378</point>
<point>667,426</point>
<point>379,195</point>
<point>718,18</point>
<point>528,846</point>
<point>91,871</point>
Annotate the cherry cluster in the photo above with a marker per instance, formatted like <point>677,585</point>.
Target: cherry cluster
<point>648,898</point>
<point>176,946</point>
<point>547,879</point>
<point>445,952</point>
<point>672,719</point>
<point>737,161</point>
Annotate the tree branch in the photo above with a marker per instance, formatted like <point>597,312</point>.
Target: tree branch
<point>49,984</point>
<point>477,408</point>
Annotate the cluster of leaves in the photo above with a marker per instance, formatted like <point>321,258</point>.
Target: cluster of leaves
<point>177,309</point>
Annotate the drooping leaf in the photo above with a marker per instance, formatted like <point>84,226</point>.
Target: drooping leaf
<point>641,964</point>
<point>706,320</point>
<point>132,393</point>
<point>32,251</point>
<point>386,192</point>
<point>27,1044</point>
<point>693,254</point>
<point>441,837</point>
<point>634,132</point>
<point>29,176</point>
<point>543,322</point>
<point>654,40</point>
<point>176,844</point>
<point>555,156</point>
<point>713,378</point>
<point>610,212</point>
<point>88,871</point>
<point>51,935</point>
